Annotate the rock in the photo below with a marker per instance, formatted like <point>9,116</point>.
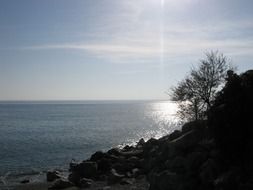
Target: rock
<point>114,151</point>
<point>136,172</point>
<point>104,165</point>
<point>123,167</point>
<point>193,125</point>
<point>208,172</point>
<point>114,177</point>
<point>227,180</point>
<point>164,180</point>
<point>73,165</point>
<point>195,160</point>
<point>175,134</point>
<point>25,181</point>
<point>128,154</point>
<point>74,177</point>
<point>87,169</point>
<point>127,181</point>
<point>177,165</point>
<point>141,142</point>
<point>151,142</point>
<point>135,160</point>
<point>61,184</point>
<point>53,175</point>
<point>187,141</point>
<point>97,156</point>
<point>105,188</point>
<point>85,183</point>
<point>128,148</point>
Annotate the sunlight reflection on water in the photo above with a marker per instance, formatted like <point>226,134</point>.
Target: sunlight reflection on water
<point>163,119</point>
<point>164,116</point>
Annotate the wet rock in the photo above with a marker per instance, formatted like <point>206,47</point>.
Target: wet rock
<point>61,184</point>
<point>53,175</point>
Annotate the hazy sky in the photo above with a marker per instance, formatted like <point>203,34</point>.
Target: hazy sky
<point>114,49</point>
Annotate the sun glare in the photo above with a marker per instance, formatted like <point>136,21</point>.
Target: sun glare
<point>162,3</point>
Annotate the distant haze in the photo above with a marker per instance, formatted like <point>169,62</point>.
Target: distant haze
<point>113,50</point>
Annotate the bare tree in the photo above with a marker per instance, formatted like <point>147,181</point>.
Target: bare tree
<point>195,94</point>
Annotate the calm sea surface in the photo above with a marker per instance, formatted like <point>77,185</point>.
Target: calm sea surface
<point>37,136</point>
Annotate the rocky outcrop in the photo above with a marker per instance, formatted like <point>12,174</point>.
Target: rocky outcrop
<point>53,175</point>
<point>191,158</point>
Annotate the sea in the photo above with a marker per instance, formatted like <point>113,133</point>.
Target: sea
<point>37,136</point>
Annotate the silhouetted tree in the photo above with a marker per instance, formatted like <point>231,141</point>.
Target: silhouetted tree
<point>195,94</point>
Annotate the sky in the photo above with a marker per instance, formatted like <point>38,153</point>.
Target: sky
<point>115,49</point>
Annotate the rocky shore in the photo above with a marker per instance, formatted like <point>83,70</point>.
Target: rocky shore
<point>181,160</point>
<point>212,154</point>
